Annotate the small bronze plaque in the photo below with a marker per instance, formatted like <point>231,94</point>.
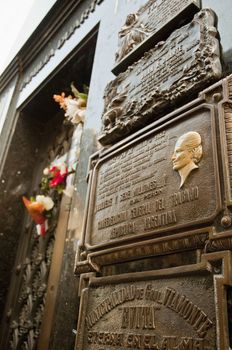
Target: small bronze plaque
<point>156,314</point>
<point>162,181</point>
<point>185,63</point>
<point>149,25</point>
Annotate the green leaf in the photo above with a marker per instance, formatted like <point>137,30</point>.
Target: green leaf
<point>74,90</point>
<point>78,94</point>
<point>83,96</point>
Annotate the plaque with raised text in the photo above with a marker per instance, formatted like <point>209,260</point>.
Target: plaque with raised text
<point>185,63</point>
<point>150,24</point>
<point>154,310</point>
<point>162,181</point>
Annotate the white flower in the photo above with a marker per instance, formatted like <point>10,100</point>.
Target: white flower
<point>46,171</point>
<point>79,116</point>
<point>46,201</point>
<point>73,111</point>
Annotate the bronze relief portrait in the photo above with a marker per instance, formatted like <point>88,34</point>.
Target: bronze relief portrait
<point>187,154</point>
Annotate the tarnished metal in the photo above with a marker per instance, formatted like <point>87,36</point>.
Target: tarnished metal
<point>150,24</point>
<point>196,239</point>
<point>113,188</point>
<point>225,111</point>
<point>175,308</point>
<point>157,183</point>
<point>186,62</point>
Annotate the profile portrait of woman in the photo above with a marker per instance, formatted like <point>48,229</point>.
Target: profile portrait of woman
<point>187,154</point>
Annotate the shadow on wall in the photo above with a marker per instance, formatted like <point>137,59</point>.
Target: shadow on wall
<point>227,56</point>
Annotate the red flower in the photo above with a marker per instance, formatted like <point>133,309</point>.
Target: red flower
<point>54,170</point>
<point>58,178</point>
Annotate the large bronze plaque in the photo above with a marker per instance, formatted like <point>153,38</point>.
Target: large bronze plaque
<point>185,63</point>
<point>149,25</point>
<point>158,313</point>
<point>164,180</point>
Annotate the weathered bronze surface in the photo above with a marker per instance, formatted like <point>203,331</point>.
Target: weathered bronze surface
<point>155,247</point>
<point>149,25</point>
<point>157,183</point>
<point>176,309</point>
<point>216,236</point>
<point>225,112</point>
<point>186,62</point>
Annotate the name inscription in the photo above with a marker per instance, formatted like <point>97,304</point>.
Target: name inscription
<point>151,316</point>
<point>147,341</point>
<point>138,189</point>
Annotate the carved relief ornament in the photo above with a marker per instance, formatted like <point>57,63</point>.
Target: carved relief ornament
<point>144,28</point>
<point>186,62</point>
<point>187,154</point>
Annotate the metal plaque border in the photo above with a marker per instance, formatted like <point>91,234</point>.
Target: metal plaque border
<point>157,126</point>
<point>208,264</point>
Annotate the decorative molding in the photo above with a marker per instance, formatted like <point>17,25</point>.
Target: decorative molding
<point>60,42</point>
<point>134,193</point>
<point>41,37</point>
<point>228,130</point>
<point>86,267</point>
<point>194,292</point>
<point>225,112</point>
<point>229,86</point>
<point>218,244</point>
<point>155,247</point>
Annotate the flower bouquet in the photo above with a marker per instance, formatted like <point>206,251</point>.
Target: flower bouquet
<point>39,208</point>
<point>74,107</point>
<point>55,178</point>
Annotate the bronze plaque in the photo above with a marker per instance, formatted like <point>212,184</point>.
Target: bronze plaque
<point>164,180</point>
<point>149,25</point>
<point>158,314</point>
<point>185,63</point>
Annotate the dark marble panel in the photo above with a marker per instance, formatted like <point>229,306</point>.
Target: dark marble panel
<point>66,310</point>
<point>15,182</point>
